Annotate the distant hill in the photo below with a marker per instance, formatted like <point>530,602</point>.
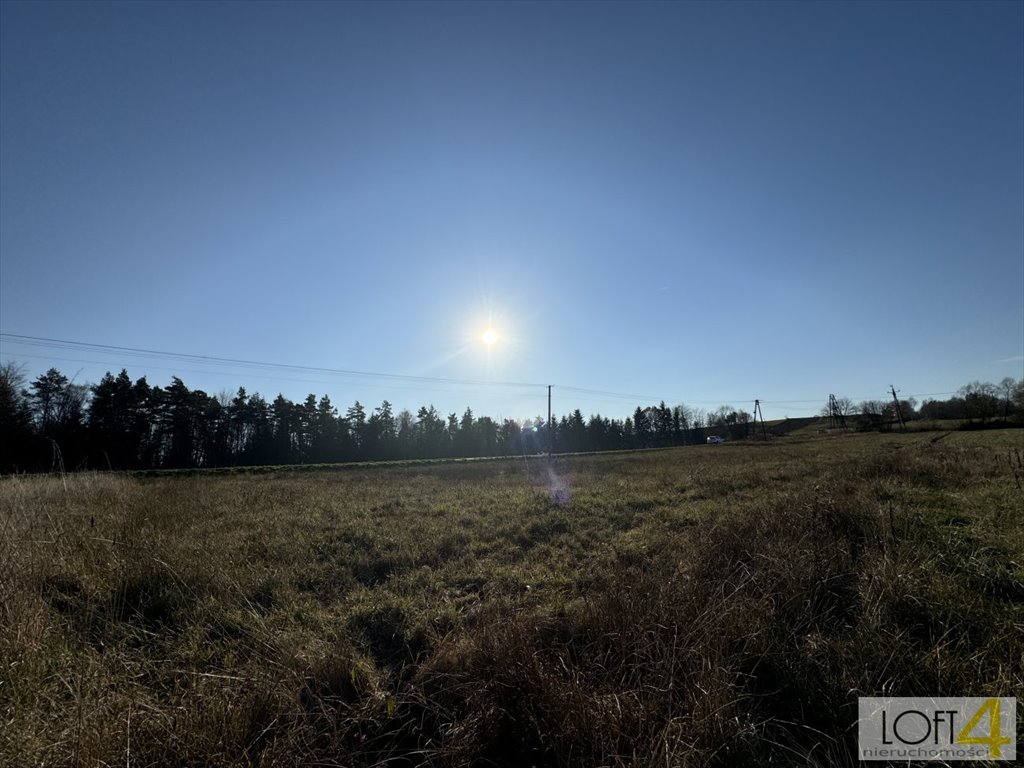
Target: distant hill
<point>788,426</point>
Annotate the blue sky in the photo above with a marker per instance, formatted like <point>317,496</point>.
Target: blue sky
<point>705,203</point>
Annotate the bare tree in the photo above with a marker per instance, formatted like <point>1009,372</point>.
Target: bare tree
<point>981,399</point>
<point>845,405</point>
<point>1006,388</point>
<point>872,407</point>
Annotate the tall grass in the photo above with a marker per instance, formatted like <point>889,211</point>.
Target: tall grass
<point>693,607</point>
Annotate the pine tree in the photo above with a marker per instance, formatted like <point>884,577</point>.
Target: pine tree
<point>17,445</point>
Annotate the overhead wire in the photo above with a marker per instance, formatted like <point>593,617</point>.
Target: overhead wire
<point>266,377</point>
<point>253,365</point>
<point>45,342</point>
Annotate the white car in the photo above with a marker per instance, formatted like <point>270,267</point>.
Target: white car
<point>715,440</point>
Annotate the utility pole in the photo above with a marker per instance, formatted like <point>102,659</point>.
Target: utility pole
<point>899,413</point>
<point>835,414</point>
<point>551,434</point>
<point>758,413</point>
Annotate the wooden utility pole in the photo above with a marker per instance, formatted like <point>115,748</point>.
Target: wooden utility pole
<point>551,433</point>
<point>758,413</point>
<point>899,413</point>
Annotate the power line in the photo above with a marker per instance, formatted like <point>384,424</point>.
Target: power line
<point>51,343</point>
<point>626,395</point>
<point>291,379</point>
<point>137,352</point>
<point>41,341</point>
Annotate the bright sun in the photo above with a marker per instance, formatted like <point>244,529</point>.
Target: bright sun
<point>490,336</point>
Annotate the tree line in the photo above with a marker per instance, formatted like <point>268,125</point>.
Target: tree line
<point>977,403</point>
<point>118,423</point>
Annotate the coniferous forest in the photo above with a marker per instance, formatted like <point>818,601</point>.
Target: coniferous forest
<point>54,423</point>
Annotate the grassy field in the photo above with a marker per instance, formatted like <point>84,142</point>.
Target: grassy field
<point>712,605</point>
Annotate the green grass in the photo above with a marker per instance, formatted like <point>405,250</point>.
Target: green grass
<point>712,605</point>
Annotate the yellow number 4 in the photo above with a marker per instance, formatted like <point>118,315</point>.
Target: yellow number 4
<point>995,739</point>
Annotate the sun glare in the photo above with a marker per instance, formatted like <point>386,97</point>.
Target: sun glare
<point>490,336</point>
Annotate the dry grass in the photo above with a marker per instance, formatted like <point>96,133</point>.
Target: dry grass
<point>689,607</point>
